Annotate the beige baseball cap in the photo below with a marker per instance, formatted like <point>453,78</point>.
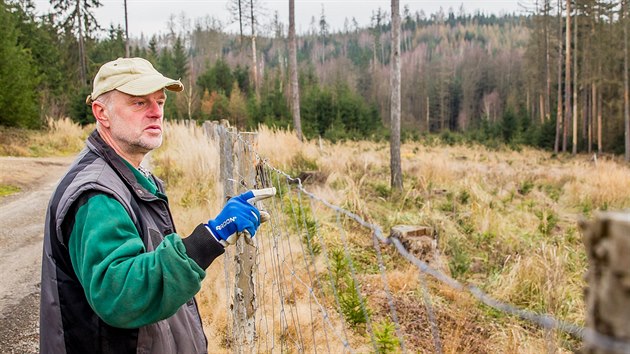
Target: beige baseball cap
<point>133,76</point>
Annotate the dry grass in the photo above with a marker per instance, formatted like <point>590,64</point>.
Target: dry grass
<point>598,186</point>
<point>62,137</point>
<point>506,221</point>
<point>189,164</point>
<point>280,146</point>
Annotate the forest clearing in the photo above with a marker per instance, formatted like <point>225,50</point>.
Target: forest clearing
<point>495,143</point>
<point>506,221</point>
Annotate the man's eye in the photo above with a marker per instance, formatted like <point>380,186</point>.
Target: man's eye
<point>139,103</point>
<point>160,103</point>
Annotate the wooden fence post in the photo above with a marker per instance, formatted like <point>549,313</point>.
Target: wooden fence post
<point>221,132</point>
<point>245,258</point>
<point>237,161</point>
<point>607,297</point>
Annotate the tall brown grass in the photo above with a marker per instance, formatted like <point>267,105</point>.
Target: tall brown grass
<point>61,137</point>
<point>188,162</point>
<point>506,221</point>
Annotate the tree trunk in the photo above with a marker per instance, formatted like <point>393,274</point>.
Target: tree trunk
<point>189,91</point>
<point>396,168</point>
<point>255,61</point>
<point>587,78</point>
<point>593,115</point>
<point>127,54</point>
<point>295,89</point>
<point>547,7</point>
<point>531,108</point>
<point>541,107</point>
<point>240,22</point>
<point>574,112</point>
<point>567,79</point>
<point>442,104</point>
<point>374,57</point>
<point>585,113</point>
<point>428,115</point>
<point>556,145</point>
<point>599,118</point>
<point>82,59</point>
<point>626,103</point>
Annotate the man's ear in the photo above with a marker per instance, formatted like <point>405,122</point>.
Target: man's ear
<point>100,112</point>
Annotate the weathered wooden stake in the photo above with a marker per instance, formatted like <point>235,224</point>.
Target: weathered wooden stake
<point>607,241</point>
<point>245,257</point>
<point>237,159</point>
<point>221,132</point>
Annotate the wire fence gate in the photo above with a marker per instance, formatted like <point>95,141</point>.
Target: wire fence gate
<point>315,278</point>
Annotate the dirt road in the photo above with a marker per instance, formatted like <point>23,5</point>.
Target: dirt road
<point>21,234</point>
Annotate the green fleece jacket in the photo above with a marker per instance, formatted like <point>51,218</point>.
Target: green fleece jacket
<point>125,285</point>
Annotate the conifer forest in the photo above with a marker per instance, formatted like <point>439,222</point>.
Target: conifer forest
<point>554,75</point>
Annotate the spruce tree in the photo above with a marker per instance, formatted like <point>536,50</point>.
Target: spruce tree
<point>18,98</point>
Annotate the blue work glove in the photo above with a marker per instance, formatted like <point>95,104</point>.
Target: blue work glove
<point>239,215</point>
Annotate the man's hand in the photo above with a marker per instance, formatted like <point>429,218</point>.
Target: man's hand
<point>239,215</point>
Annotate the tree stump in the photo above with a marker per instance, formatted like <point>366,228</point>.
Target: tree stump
<point>607,296</point>
<point>421,241</point>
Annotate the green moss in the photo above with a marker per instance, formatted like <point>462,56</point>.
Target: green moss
<point>6,189</point>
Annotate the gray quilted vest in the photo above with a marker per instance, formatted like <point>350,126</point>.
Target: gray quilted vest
<point>77,329</point>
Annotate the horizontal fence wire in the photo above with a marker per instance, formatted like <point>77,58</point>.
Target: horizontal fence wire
<point>294,263</point>
<point>546,321</point>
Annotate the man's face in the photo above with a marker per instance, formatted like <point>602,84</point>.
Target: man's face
<point>136,121</point>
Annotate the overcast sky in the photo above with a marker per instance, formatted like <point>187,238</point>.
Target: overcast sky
<point>151,16</point>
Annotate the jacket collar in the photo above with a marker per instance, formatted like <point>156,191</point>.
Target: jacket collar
<point>97,145</point>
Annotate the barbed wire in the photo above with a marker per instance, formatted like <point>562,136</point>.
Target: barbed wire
<point>390,298</point>
<point>546,321</point>
<point>330,276</point>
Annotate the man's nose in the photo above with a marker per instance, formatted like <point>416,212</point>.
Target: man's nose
<point>155,109</point>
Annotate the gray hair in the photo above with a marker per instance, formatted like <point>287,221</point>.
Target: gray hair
<point>106,100</point>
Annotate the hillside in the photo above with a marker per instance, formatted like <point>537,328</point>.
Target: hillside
<point>494,79</point>
<point>505,220</point>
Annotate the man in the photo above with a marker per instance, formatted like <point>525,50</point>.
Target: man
<point>116,277</point>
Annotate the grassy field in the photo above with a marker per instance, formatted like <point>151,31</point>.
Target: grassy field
<point>506,221</point>
<point>61,137</point>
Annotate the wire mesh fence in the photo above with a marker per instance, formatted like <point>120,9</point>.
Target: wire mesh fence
<point>320,280</point>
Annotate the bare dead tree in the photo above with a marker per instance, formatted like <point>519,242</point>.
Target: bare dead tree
<point>82,53</point>
<point>247,12</point>
<point>240,20</point>
<point>546,11</point>
<point>559,119</point>
<point>295,89</point>
<point>254,59</point>
<point>574,111</point>
<point>236,9</point>
<point>126,32</point>
<point>626,99</point>
<point>395,163</point>
<point>78,15</point>
<point>567,79</point>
